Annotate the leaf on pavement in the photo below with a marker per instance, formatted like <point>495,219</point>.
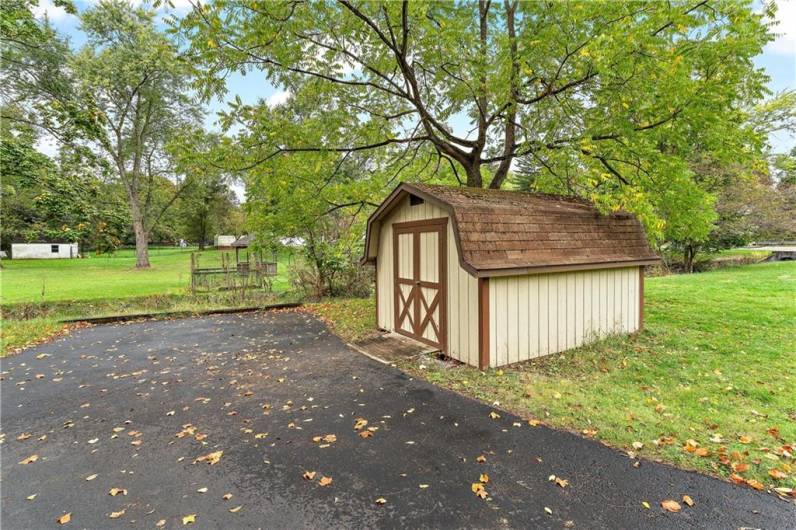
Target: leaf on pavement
<point>381,500</point>
<point>91,477</point>
<point>360,423</point>
<point>117,491</point>
<point>188,519</point>
<point>325,481</point>
<point>65,518</point>
<point>29,460</point>
<point>309,475</point>
<point>671,506</point>
<point>235,509</point>
<point>481,459</point>
<point>688,500</point>
<point>484,478</point>
<point>116,515</point>
<point>494,415</point>
<point>210,458</point>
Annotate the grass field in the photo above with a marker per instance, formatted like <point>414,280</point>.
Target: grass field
<point>107,276</point>
<point>37,294</point>
<point>713,374</point>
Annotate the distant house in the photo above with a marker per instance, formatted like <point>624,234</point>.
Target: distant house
<point>44,251</point>
<point>223,242</point>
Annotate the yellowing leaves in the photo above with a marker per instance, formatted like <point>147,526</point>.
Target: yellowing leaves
<point>560,482</point>
<point>325,481</point>
<point>116,515</point>
<point>479,490</point>
<point>211,458</point>
<point>671,506</point>
<point>29,460</point>
<point>188,519</point>
<point>65,518</point>
<point>236,509</point>
<point>117,491</point>
<point>309,475</point>
<point>688,500</point>
<point>360,424</point>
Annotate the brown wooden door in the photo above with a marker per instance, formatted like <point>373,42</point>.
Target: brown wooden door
<point>419,251</point>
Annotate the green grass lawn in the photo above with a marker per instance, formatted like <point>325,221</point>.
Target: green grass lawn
<point>713,374</point>
<point>36,295</point>
<point>108,276</point>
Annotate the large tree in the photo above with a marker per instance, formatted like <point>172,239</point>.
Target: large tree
<point>622,91</point>
<point>124,95</point>
<point>140,87</point>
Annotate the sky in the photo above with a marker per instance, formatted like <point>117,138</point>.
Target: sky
<point>778,59</point>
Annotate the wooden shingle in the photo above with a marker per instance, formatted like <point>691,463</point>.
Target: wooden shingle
<point>506,232</point>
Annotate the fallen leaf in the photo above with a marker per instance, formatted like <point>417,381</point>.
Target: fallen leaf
<point>210,458</point>
<point>202,490</point>
<point>494,415</point>
<point>227,496</point>
<point>688,500</point>
<point>116,515</point>
<point>325,481</point>
<point>479,490</point>
<point>423,486</point>
<point>534,422</point>
<point>309,475</point>
<point>777,474</point>
<point>31,497</point>
<point>188,519</point>
<point>365,434</point>
<point>638,445</point>
<point>360,423</point>
<point>235,509</point>
<point>161,523</point>
<point>645,504</point>
<point>670,505</point>
<point>65,518</point>
<point>755,484</point>
<point>29,460</point>
<point>548,510</point>
<point>702,451</point>
<point>116,491</point>
<point>484,478</point>
<point>481,459</point>
<point>22,437</point>
<point>381,500</point>
<point>91,477</point>
<point>744,439</point>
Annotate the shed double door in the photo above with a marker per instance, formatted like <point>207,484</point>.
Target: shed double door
<point>419,251</point>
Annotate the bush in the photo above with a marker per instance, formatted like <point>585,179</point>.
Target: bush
<point>346,279</point>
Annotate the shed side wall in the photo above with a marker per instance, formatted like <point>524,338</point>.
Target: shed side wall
<point>537,315</point>
<point>462,301</point>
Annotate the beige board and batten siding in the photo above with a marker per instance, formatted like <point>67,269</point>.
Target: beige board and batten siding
<point>535,315</point>
<point>462,301</point>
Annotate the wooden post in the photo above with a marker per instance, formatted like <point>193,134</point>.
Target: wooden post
<point>483,323</point>
<point>641,298</point>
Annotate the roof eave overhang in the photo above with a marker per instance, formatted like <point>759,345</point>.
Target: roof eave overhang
<point>542,269</point>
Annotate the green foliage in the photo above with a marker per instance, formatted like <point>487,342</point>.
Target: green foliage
<point>611,100</point>
<point>62,200</point>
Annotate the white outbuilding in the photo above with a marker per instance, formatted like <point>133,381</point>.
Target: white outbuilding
<point>223,241</point>
<point>494,277</point>
<point>44,250</point>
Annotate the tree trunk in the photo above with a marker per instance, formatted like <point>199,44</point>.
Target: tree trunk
<point>141,245</point>
<point>474,179</point>
<point>688,258</point>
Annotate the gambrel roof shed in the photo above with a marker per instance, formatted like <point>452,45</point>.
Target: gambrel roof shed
<point>493,277</point>
<point>511,232</point>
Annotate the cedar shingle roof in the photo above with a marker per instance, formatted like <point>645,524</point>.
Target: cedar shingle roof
<point>499,231</point>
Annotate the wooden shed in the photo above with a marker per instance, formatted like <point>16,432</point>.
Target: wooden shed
<point>495,277</point>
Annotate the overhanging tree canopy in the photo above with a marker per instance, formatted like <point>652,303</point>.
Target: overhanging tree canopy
<point>622,90</point>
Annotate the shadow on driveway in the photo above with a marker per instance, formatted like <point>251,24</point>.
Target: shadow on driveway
<point>136,404</point>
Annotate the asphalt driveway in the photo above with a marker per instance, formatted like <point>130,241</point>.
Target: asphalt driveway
<point>137,404</point>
